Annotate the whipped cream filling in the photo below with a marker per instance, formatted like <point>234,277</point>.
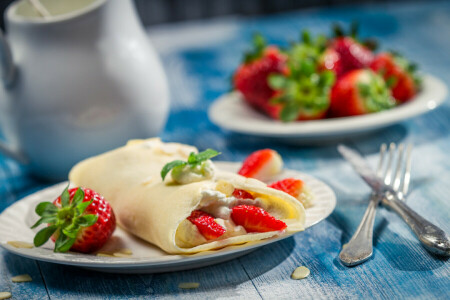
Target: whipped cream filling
<point>188,174</point>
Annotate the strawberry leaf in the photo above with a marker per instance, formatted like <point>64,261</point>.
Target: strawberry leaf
<point>46,219</point>
<point>78,197</point>
<point>65,197</point>
<point>277,81</point>
<point>169,166</point>
<point>64,243</point>
<point>290,112</point>
<point>43,235</point>
<point>82,207</point>
<point>87,220</point>
<point>71,230</point>
<point>45,208</point>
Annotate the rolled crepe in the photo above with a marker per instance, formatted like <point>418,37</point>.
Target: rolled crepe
<point>156,211</point>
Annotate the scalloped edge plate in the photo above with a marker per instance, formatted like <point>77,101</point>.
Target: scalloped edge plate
<point>146,258</point>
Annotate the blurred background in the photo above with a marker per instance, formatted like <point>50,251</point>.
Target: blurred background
<point>166,11</point>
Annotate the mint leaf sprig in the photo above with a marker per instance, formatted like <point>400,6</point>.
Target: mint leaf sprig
<point>65,221</point>
<point>194,160</point>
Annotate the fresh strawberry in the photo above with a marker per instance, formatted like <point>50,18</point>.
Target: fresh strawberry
<point>206,224</point>
<point>292,186</point>
<point>262,164</point>
<point>241,194</point>
<point>304,92</point>
<point>251,76</point>
<point>255,219</point>
<point>360,92</point>
<point>399,74</point>
<point>352,54</point>
<point>331,60</point>
<point>79,220</point>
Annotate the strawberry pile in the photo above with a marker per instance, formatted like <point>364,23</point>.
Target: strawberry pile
<point>320,77</point>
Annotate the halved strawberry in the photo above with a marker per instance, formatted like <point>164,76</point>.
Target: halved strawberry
<point>262,164</point>
<point>360,92</point>
<point>292,186</point>
<point>206,224</point>
<point>79,220</point>
<point>255,219</point>
<point>399,73</point>
<point>241,194</point>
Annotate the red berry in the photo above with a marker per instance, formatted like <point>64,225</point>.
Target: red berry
<point>241,194</point>
<point>403,87</point>
<point>255,219</point>
<point>359,92</point>
<point>251,78</point>
<point>206,224</point>
<point>262,164</point>
<point>92,238</point>
<point>353,55</point>
<point>292,186</point>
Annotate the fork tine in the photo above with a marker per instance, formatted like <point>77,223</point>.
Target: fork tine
<point>388,172</point>
<point>383,148</point>
<point>407,176</point>
<point>399,169</point>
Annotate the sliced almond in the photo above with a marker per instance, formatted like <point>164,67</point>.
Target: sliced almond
<point>189,285</point>
<point>19,244</point>
<point>125,251</point>
<point>118,254</point>
<point>105,254</point>
<point>300,273</point>
<point>225,187</point>
<point>5,295</point>
<point>21,278</point>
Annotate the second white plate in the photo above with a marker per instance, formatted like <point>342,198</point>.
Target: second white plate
<point>232,113</point>
<point>146,258</point>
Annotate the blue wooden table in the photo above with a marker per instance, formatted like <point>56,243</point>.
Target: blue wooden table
<point>199,58</point>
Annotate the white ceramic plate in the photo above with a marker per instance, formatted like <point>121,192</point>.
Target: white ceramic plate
<point>232,113</point>
<point>16,220</point>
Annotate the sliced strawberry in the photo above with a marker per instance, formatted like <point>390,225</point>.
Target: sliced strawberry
<point>360,92</point>
<point>241,194</point>
<point>206,224</point>
<point>399,74</point>
<point>255,219</point>
<point>262,164</point>
<point>292,186</point>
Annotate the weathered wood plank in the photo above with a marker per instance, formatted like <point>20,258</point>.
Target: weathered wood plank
<point>12,265</point>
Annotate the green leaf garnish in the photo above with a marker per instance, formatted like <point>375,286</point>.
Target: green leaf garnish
<point>192,161</point>
<point>166,169</point>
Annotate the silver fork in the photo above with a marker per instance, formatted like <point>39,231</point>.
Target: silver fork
<point>360,246</point>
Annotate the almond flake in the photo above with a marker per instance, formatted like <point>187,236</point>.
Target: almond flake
<point>21,278</point>
<point>189,285</point>
<point>119,254</point>
<point>105,254</point>
<point>5,295</point>
<point>19,244</point>
<point>300,273</point>
<point>125,251</point>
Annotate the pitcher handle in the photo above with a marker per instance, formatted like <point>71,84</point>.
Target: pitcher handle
<point>8,70</point>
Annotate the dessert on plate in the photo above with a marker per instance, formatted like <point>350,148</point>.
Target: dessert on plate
<point>197,208</point>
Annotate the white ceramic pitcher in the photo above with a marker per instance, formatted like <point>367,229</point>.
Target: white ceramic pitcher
<point>77,83</point>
